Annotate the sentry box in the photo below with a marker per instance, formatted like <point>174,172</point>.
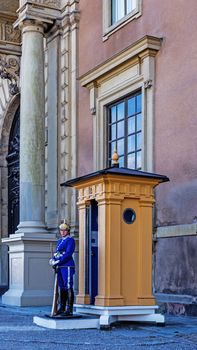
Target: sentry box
<point>115,244</point>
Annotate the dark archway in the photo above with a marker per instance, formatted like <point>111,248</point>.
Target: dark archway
<point>13,174</point>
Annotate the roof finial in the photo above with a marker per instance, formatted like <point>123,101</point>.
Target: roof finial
<point>115,158</point>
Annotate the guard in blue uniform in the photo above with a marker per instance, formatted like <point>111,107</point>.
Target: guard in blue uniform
<point>64,264</point>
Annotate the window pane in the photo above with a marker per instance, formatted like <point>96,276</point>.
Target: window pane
<point>139,160</point>
<point>139,122</point>
<point>139,103</point>
<point>113,132</point>
<point>131,161</point>
<point>120,127</point>
<point>131,106</point>
<point>131,125</point>
<point>139,140</point>
<point>131,5</point>
<point>131,143</point>
<point>113,147</point>
<point>121,162</point>
<point>120,147</point>
<point>118,10</point>
<point>120,111</point>
<point>113,115</point>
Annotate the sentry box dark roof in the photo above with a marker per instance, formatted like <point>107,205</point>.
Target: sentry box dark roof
<point>116,171</point>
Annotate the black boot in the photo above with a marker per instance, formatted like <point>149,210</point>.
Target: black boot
<point>69,308</point>
<point>63,299</point>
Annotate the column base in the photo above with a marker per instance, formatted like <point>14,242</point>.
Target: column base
<point>111,301</point>
<point>31,227</point>
<point>83,299</point>
<point>31,278</point>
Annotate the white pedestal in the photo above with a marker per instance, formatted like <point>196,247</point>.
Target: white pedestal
<point>75,323</point>
<point>109,315</point>
<point>31,278</point>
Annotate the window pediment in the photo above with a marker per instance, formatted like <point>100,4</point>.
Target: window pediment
<point>147,46</point>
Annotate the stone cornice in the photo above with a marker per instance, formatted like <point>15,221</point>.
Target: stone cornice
<point>37,12</point>
<point>113,188</point>
<point>10,48</point>
<point>49,13</point>
<point>147,46</point>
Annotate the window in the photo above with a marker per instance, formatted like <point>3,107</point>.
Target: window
<point>121,8</point>
<point>125,131</point>
<point>121,101</point>
<point>117,13</point>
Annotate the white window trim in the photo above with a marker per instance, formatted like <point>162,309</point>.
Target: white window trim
<point>122,75</point>
<point>109,29</point>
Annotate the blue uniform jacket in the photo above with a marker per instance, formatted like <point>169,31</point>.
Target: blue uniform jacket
<point>66,247</point>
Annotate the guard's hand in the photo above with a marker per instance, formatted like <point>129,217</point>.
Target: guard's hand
<point>53,262</point>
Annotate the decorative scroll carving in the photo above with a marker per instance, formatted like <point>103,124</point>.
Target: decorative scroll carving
<point>148,83</point>
<point>8,33</point>
<point>9,69</point>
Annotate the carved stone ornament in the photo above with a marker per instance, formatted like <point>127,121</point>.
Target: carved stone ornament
<point>9,69</point>
<point>51,3</point>
<point>148,83</point>
<point>8,33</point>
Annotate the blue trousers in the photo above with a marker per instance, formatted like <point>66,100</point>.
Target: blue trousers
<point>65,277</point>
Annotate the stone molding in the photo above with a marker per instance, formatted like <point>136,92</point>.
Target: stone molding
<point>176,231</point>
<point>49,12</point>
<point>7,32</point>
<point>49,3</point>
<point>147,46</point>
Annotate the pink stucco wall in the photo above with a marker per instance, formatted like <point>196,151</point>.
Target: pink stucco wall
<point>175,273</point>
<point>175,130</point>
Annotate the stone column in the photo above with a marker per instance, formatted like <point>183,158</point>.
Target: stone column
<point>30,248</point>
<point>32,173</point>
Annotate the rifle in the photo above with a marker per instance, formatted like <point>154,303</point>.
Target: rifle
<point>55,297</point>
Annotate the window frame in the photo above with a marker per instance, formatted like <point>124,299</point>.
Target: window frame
<point>100,125</point>
<point>108,28</point>
<point>125,100</point>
